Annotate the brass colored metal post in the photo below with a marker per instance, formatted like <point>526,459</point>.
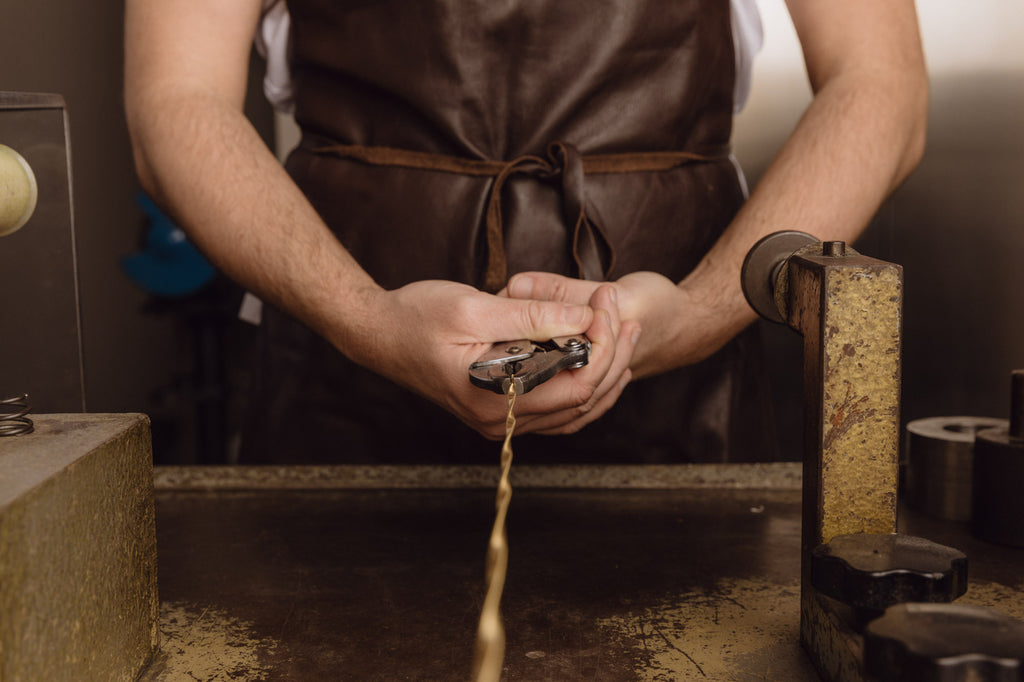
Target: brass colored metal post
<point>848,307</point>
<point>849,310</point>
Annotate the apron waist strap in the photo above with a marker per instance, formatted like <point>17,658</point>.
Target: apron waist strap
<point>592,251</point>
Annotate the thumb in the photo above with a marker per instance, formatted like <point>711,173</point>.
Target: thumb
<point>536,320</point>
<point>547,286</point>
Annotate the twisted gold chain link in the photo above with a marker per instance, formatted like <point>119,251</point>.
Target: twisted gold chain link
<point>489,657</point>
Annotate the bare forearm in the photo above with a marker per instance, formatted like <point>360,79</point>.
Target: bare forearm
<point>203,161</point>
<point>854,145</point>
<point>186,69</point>
<point>861,136</point>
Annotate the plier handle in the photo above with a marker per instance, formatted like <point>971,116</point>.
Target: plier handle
<point>527,364</point>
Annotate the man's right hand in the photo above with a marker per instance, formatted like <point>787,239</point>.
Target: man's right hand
<point>428,333</point>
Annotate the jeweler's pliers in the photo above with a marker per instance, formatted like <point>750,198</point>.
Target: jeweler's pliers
<point>527,364</point>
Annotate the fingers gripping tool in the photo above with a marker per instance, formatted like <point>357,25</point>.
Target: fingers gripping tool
<point>527,364</point>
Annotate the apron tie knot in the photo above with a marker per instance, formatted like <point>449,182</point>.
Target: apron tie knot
<point>591,250</point>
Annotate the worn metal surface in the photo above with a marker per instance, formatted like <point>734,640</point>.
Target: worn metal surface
<point>828,633</point>
<point>78,593</point>
<point>387,584</point>
<point>773,476</point>
<point>651,585</point>
<point>849,311</point>
<point>848,308</point>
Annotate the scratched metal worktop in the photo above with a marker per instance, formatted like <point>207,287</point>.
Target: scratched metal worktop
<point>376,573</point>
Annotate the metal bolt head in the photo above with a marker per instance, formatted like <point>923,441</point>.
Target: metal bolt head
<point>835,249</point>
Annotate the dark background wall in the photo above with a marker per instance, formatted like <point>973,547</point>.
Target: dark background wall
<point>138,357</point>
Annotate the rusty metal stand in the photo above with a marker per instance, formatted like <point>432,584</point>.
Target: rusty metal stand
<point>874,604</point>
<point>848,308</point>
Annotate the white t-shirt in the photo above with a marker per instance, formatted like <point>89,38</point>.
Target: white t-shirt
<point>272,43</point>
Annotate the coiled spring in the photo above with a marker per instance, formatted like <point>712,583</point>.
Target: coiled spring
<point>13,421</point>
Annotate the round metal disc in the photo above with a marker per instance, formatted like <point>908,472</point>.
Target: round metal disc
<point>761,264</point>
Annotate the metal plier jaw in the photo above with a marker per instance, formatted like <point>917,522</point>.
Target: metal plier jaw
<point>527,364</point>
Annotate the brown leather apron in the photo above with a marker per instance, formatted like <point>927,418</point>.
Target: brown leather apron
<point>470,140</point>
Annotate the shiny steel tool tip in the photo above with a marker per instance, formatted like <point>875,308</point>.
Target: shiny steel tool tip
<point>527,364</point>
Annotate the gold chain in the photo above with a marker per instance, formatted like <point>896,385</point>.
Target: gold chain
<point>490,634</point>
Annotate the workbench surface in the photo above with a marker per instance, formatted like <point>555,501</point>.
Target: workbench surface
<point>629,583</point>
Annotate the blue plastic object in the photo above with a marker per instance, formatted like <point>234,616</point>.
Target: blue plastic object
<point>169,265</point>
